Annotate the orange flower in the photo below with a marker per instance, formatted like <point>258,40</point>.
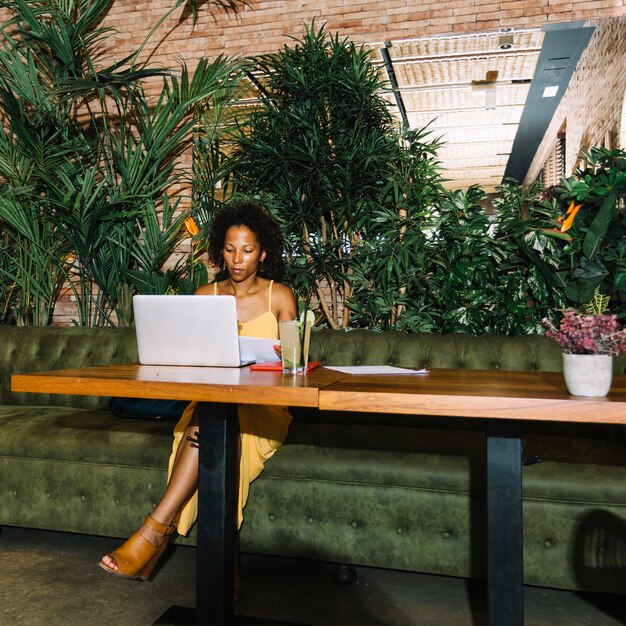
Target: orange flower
<point>191,226</point>
<point>571,213</point>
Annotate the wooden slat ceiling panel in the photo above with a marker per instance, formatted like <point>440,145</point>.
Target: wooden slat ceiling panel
<point>468,117</point>
<point>443,82</point>
<point>456,99</point>
<point>485,150</point>
<point>475,135</point>
<point>465,70</point>
<point>464,44</point>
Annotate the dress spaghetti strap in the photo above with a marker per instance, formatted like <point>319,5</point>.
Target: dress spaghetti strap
<point>269,303</point>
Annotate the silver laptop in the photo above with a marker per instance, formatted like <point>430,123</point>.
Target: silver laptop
<point>187,330</point>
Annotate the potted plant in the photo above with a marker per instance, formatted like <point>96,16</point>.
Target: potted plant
<point>590,338</point>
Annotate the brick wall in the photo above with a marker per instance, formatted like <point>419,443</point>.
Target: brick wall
<point>266,25</point>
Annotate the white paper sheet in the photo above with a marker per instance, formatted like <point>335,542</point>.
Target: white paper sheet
<point>259,350</point>
<point>375,369</point>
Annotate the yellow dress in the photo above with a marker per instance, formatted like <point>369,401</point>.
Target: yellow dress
<point>263,429</point>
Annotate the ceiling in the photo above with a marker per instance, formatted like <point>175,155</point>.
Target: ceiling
<point>483,94</point>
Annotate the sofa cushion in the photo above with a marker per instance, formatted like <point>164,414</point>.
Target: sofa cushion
<point>586,470</point>
<point>79,435</point>
<point>80,471</point>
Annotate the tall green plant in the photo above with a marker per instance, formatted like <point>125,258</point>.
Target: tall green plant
<point>218,118</point>
<point>87,160</point>
<point>318,148</point>
<point>391,265</point>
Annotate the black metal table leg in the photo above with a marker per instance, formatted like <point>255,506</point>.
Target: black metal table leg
<point>218,471</point>
<point>505,591</point>
<point>217,489</point>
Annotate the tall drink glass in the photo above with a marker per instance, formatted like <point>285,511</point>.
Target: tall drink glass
<point>291,347</point>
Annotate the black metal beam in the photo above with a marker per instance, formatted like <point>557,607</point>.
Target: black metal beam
<point>391,75</point>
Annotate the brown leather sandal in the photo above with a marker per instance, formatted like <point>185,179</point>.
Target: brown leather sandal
<point>137,556</point>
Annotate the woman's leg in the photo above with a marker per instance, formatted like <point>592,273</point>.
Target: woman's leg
<point>181,486</point>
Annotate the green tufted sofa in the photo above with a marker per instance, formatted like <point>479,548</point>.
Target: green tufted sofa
<point>383,490</point>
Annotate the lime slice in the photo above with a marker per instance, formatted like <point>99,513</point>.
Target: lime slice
<point>310,317</point>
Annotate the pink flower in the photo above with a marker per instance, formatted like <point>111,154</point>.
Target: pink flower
<point>582,333</point>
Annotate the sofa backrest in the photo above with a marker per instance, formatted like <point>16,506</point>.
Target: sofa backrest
<point>362,347</point>
<point>35,349</point>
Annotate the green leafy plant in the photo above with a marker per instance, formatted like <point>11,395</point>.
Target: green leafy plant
<point>525,258</point>
<point>593,225</point>
<point>90,166</point>
<point>316,152</point>
<point>391,267</point>
<point>462,284</point>
<point>370,229</point>
<point>483,271</point>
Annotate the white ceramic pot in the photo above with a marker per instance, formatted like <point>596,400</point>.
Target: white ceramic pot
<point>588,374</point>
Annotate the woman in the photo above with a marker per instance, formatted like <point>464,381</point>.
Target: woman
<point>247,243</point>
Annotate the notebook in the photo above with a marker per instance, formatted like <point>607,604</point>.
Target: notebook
<point>187,330</point>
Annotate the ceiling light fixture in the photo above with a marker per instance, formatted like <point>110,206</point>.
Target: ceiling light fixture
<point>505,42</point>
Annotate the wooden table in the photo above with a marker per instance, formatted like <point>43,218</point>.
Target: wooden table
<point>218,391</point>
<point>505,399</point>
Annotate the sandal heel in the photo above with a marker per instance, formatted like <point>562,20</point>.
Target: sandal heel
<point>137,557</point>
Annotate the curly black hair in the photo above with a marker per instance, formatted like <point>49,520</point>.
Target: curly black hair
<point>261,224</point>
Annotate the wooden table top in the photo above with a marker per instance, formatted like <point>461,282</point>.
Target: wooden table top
<point>209,384</point>
<point>463,393</point>
<point>475,393</point>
